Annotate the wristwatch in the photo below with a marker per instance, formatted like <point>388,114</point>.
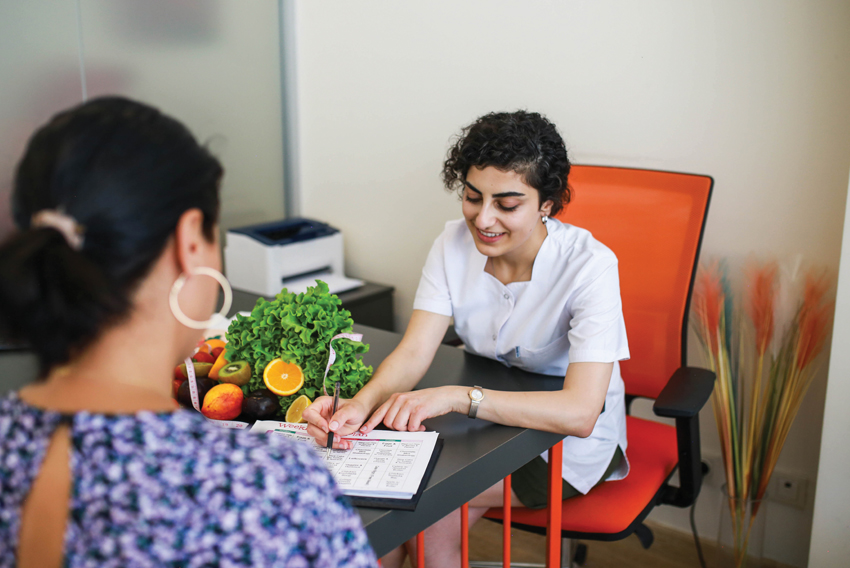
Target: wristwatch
<point>476,395</point>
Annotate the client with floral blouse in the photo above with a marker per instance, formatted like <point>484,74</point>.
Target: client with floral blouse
<point>114,202</point>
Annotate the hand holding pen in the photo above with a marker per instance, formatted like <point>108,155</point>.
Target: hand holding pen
<point>330,433</point>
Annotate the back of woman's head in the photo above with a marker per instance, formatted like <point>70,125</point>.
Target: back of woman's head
<point>523,142</point>
<point>122,173</point>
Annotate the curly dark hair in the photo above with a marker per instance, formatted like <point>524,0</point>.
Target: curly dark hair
<point>522,142</point>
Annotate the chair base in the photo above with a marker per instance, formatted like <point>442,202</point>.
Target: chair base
<point>644,534</point>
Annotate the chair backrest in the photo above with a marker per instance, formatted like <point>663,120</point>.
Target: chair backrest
<point>653,221</point>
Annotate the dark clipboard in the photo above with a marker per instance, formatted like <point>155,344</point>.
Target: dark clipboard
<point>403,504</point>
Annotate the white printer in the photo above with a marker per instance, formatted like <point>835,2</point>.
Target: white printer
<point>292,254</point>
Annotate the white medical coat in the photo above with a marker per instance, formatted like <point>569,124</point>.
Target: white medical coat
<point>570,310</point>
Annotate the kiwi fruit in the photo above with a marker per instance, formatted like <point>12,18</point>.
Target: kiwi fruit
<point>236,373</point>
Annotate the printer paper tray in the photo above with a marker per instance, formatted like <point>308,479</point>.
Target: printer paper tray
<point>336,283</point>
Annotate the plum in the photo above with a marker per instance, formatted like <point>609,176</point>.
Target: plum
<point>266,393</point>
<point>259,407</point>
<point>204,385</point>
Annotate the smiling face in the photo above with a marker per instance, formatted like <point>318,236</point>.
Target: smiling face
<point>503,213</point>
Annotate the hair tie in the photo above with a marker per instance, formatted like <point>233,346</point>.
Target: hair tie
<point>73,232</point>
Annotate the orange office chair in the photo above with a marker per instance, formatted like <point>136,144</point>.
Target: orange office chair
<point>653,221</point>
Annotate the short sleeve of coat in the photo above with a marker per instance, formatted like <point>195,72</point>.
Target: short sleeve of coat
<point>433,295</point>
<point>597,329</point>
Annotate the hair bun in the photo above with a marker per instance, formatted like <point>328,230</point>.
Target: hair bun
<point>52,298</point>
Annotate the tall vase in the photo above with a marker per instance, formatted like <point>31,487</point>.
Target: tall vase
<point>740,535</point>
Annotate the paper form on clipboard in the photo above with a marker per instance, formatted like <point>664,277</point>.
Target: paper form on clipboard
<point>382,464</point>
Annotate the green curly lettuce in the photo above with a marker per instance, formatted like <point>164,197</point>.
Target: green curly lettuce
<point>297,329</point>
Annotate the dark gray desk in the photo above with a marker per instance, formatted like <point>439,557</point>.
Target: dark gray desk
<point>476,454</point>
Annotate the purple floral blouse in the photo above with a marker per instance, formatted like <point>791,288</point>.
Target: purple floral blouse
<point>171,489</point>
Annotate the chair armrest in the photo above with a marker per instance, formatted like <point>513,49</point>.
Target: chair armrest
<point>683,397</point>
<point>685,394</point>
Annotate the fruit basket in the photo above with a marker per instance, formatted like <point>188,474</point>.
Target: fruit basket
<point>274,362</point>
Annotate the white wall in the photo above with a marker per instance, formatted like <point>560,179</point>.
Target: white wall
<point>39,74</point>
<point>754,94</point>
<point>213,64</point>
<point>831,524</point>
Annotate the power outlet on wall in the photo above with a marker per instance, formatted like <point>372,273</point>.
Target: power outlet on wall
<point>785,488</point>
<point>716,476</point>
<point>788,489</point>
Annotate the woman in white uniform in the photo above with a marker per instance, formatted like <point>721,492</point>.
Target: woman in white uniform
<point>523,289</point>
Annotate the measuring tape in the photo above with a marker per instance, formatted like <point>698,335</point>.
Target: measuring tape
<point>358,337</point>
<point>193,393</point>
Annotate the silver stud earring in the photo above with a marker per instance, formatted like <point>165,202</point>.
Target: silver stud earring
<point>544,219</point>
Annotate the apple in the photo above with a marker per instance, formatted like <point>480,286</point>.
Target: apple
<point>203,357</point>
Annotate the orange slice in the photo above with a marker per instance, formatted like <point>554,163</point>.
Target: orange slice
<point>218,365</point>
<point>297,408</point>
<point>283,379</point>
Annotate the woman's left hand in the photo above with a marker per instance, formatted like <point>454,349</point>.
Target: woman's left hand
<point>405,411</point>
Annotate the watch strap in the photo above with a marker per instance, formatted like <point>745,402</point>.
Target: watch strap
<point>473,403</point>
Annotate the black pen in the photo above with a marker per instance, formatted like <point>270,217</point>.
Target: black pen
<point>331,434</point>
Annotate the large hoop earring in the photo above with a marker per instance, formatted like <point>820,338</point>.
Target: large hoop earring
<point>181,281</point>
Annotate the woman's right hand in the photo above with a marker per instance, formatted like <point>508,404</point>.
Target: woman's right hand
<point>350,415</point>
<point>399,372</point>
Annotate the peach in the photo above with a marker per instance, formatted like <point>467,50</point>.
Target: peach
<point>223,402</point>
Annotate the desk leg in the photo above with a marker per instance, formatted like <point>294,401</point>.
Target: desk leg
<point>420,550</point>
<point>506,526</point>
<point>553,526</point>
<point>464,535</point>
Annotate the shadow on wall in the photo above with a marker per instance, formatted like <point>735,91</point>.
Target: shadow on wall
<point>45,88</point>
<point>43,75</point>
<point>52,87</point>
<point>17,368</point>
<point>170,22</point>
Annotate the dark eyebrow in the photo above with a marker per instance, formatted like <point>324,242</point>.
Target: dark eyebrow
<point>472,187</point>
<point>505,194</point>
